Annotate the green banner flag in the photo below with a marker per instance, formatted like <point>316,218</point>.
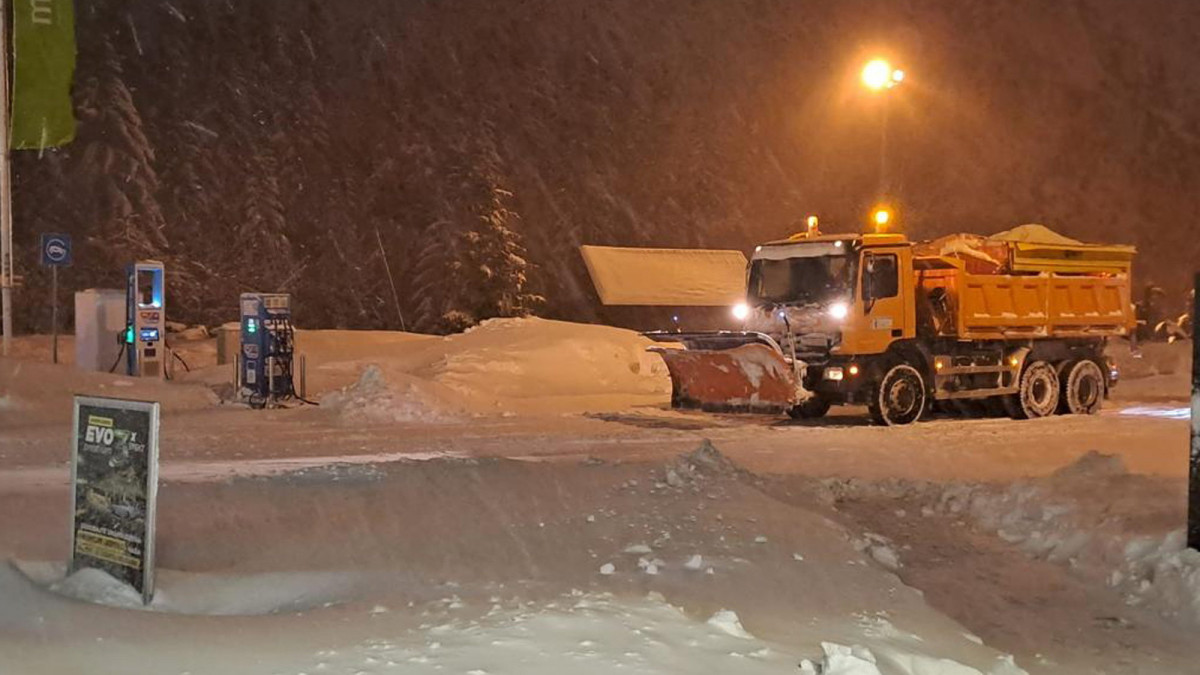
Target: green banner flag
<point>43,65</point>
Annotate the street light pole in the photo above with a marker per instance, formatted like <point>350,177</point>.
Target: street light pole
<point>6,244</point>
<point>883,139</point>
<point>879,76</point>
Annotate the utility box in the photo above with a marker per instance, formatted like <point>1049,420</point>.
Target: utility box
<point>268,344</point>
<point>99,327</point>
<point>228,340</point>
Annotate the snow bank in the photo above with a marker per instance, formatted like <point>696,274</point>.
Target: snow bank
<point>584,634</point>
<point>178,592</point>
<point>526,365</point>
<point>32,392</point>
<point>1073,517</point>
<point>503,365</point>
<point>598,633</point>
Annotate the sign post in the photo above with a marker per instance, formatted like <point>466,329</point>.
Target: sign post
<point>1194,472</point>
<point>56,253</point>
<point>114,489</point>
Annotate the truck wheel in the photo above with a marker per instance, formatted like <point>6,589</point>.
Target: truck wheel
<point>810,409</point>
<point>899,398</point>
<point>1083,389</point>
<point>1038,395</point>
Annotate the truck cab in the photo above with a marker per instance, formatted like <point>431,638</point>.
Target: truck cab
<point>830,300</point>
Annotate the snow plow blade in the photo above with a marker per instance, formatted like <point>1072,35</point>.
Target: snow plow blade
<point>740,373</point>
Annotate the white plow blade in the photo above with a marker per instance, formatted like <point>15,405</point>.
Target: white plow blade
<point>666,276</point>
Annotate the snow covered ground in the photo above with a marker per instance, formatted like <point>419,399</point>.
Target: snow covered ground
<point>516,499</point>
<point>500,563</point>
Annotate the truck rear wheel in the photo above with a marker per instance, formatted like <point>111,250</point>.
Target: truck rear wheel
<point>810,409</point>
<point>1038,394</point>
<point>899,398</point>
<point>1083,389</point>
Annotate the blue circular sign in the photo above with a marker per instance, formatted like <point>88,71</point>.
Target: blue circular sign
<point>56,250</point>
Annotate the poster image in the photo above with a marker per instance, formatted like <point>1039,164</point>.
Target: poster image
<point>114,472</point>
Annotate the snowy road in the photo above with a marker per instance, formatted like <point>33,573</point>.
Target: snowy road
<point>215,445</point>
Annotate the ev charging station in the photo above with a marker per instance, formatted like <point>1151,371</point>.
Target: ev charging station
<point>267,347</point>
<point>145,315</point>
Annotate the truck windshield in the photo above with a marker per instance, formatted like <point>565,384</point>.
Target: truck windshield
<point>801,281</point>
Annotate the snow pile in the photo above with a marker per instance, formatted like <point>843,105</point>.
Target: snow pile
<point>727,621</point>
<point>880,548</point>
<point>372,400</point>
<point>703,463</point>
<point>1034,233</point>
<point>1072,517</point>
<point>500,366</point>
<point>841,659</point>
<point>540,365</point>
<point>99,587</point>
<point>757,360</point>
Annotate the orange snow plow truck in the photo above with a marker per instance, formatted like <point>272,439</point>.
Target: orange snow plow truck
<point>1016,322</point>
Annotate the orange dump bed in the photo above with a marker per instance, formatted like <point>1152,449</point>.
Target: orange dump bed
<point>955,303</point>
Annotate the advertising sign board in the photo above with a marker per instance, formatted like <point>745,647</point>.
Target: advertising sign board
<point>114,489</point>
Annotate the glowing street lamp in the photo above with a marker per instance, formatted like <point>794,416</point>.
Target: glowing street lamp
<point>878,75</point>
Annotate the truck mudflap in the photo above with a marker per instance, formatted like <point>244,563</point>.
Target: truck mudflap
<point>752,376</point>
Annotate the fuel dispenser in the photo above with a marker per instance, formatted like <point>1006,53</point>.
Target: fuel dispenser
<point>145,313</point>
<point>267,349</point>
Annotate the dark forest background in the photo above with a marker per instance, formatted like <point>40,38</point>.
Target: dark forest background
<point>281,145</point>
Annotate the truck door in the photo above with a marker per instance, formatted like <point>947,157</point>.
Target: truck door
<point>885,289</point>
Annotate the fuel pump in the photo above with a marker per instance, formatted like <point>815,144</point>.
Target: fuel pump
<point>267,349</point>
<point>145,314</point>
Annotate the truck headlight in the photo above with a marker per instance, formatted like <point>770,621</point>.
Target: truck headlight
<point>741,311</point>
<point>839,310</point>
<point>835,374</point>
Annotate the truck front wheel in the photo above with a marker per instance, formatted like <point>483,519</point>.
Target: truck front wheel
<point>1038,395</point>
<point>899,398</point>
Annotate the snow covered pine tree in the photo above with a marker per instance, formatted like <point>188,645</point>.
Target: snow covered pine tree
<point>489,272</point>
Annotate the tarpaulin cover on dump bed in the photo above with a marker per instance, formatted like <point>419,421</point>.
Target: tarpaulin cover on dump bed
<point>1030,249</point>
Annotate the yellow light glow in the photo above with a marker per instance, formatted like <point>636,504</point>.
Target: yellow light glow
<point>897,76</point>
<point>877,74</point>
<point>853,369</point>
<point>881,217</point>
